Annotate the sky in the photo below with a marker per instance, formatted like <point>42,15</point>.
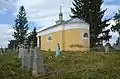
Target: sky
<point>42,13</point>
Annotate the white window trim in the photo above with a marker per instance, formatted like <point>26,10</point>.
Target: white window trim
<point>85,37</point>
<point>48,37</point>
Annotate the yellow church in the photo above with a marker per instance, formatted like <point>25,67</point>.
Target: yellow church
<point>71,35</point>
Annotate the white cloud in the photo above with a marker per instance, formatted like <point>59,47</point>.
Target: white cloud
<point>5,34</point>
<point>111,10</point>
<point>5,4</point>
<point>114,37</point>
<point>10,31</point>
<point>45,12</point>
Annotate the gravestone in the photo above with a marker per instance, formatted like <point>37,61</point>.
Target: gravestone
<point>20,51</point>
<point>1,51</point>
<point>100,48</point>
<point>24,58</point>
<point>32,60</point>
<point>107,47</point>
<point>117,45</point>
<point>31,57</point>
<point>57,50</point>
<point>25,54</point>
<point>38,65</point>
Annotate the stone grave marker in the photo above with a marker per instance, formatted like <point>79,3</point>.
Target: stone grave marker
<point>25,54</point>
<point>117,45</point>
<point>24,59</point>
<point>31,57</point>
<point>20,51</point>
<point>38,65</point>
<point>100,48</point>
<point>1,52</point>
<point>107,47</point>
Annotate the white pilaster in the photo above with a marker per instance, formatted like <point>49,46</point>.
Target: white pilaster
<point>38,41</point>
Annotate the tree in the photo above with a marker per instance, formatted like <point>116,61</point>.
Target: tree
<point>116,27</point>
<point>90,11</point>
<point>21,26</point>
<point>33,38</point>
<point>34,33</point>
<point>104,32</point>
<point>12,44</point>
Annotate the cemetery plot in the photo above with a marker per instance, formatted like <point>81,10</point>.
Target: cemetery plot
<point>73,65</point>
<point>32,60</point>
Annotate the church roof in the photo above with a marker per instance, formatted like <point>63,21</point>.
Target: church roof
<point>70,21</point>
<point>74,20</point>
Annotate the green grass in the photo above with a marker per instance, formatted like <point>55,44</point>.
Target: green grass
<point>70,65</point>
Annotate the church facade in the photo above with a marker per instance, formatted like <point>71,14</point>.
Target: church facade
<point>71,35</point>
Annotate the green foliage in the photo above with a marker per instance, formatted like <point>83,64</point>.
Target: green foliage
<point>116,27</point>
<point>90,11</point>
<point>10,68</point>
<point>117,17</point>
<point>70,65</point>
<point>33,38</point>
<point>21,26</point>
<point>105,36</point>
<point>78,65</point>
<point>13,44</point>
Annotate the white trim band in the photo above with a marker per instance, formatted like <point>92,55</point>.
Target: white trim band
<point>64,27</point>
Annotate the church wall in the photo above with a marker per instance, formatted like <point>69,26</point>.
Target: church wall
<point>69,40</point>
<point>51,45</point>
<point>74,40</point>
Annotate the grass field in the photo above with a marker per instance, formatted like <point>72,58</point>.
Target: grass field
<point>70,65</point>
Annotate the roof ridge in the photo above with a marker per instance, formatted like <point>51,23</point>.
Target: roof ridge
<point>65,22</point>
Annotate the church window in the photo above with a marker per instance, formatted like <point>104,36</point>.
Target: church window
<point>85,35</point>
<point>49,38</point>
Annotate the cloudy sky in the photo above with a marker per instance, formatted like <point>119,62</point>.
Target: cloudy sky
<point>41,13</point>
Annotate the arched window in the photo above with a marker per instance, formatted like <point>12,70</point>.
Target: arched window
<point>85,35</point>
<point>49,38</point>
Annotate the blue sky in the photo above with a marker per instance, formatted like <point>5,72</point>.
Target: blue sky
<point>42,13</point>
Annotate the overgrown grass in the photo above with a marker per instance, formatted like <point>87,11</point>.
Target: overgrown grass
<point>70,65</point>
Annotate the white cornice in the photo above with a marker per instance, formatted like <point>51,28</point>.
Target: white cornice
<point>64,27</point>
